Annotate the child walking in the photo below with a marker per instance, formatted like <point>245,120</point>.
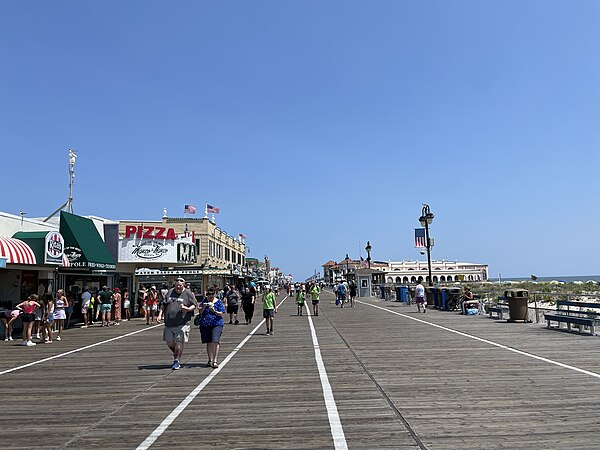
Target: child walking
<point>300,297</point>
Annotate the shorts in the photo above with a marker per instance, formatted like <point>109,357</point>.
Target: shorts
<point>151,307</point>
<point>69,310</point>
<point>180,333</point>
<point>315,302</point>
<point>420,300</point>
<point>268,313</point>
<point>25,317</point>
<point>105,307</point>
<point>84,308</point>
<point>211,334</point>
<point>232,309</point>
<point>126,304</point>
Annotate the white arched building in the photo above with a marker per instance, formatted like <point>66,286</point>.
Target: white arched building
<point>410,272</point>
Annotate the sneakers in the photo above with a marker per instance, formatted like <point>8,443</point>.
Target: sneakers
<point>83,326</point>
<point>6,339</point>
<point>237,322</point>
<point>30,344</point>
<point>176,365</point>
<point>38,336</point>
<point>10,338</point>
<point>58,338</point>
<point>268,332</point>
<point>25,343</point>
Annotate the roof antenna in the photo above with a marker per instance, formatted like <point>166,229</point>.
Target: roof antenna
<point>68,205</point>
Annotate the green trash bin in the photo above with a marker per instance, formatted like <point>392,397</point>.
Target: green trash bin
<point>517,304</point>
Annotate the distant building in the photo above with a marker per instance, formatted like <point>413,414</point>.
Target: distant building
<point>408,272</point>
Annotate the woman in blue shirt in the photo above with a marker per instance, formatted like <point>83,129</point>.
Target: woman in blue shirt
<point>211,326</point>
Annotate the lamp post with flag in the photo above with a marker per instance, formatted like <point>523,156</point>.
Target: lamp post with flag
<point>425,220</point>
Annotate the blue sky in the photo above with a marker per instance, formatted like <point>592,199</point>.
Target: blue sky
<point>316,125</point>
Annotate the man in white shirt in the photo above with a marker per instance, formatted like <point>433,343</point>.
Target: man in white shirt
<point>420,297</point>
<point>85,304</point>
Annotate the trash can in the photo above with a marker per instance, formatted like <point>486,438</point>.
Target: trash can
<point>444,297</point>
<point>517,304</point>
<point>403,294</point>
<point>429,298</point>
<point>437,300</point>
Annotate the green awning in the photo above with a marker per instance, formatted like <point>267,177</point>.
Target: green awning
<point>37,241</point>
<point>83,245</point>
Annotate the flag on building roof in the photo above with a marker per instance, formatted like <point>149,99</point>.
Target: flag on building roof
<point>242,235</point>
<point>189,209</point>
<point>420,238</point>
<point>212,209</point>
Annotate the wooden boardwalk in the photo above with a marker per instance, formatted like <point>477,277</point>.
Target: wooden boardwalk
<point>399,380</point>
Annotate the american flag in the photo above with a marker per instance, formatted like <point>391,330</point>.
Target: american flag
<point>420,238</point>
<point>242,235</point>
<point>212,209</point>
<point>189,209</point>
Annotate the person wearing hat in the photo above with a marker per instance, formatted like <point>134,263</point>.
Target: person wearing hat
<point>178,310</point>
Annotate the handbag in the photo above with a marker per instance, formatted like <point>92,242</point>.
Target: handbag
<point>197,320</point>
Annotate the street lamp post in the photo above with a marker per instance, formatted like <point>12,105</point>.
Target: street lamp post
<point>425,220</point>
<point>347,267</point>
<point>368,249</point>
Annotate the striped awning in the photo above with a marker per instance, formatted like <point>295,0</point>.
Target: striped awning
<point>16,251</point>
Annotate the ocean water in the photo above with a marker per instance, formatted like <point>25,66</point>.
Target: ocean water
<point>566,279</point>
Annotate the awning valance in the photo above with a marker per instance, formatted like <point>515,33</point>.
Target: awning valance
<point>83,244</point>
<point>16,251</point>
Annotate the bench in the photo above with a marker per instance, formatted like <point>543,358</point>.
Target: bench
<point>576,316</point>
<point>499,309</point>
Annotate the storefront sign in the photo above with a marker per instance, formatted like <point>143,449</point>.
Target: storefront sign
<point>149,232</point>
<point>54,246</point>
<point>174,251</point>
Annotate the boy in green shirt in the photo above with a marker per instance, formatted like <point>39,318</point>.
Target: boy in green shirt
<point>314,293</point>
<point>269,308</point>
<point>300,296</point>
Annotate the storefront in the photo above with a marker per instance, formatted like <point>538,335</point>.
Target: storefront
<point>90,262</point>
<point>155,249</point>
<point>25,269</point>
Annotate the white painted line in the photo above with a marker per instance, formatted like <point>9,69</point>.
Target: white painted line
<point>337,431</point>
<point>495,344</point>
<point>166,423</point>
<point>77,350</point>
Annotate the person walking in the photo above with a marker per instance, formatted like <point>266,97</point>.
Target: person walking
<point>60,303</point>
<point>248,299</point>
<point>178,310</point>
<point>300,297</point>
<point>314,293</point>
<point>420,297</point>
<point>232,299</point>
<point>352,291</point>
<point>117,306</point>
<point>86,298</point>
<point>269,308</point>
<point>211,314</point>
<point>151,305</point>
